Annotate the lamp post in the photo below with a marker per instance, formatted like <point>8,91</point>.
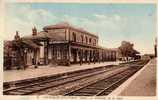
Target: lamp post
<point>155,47</point>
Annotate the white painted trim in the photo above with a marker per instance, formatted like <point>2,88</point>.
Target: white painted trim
<point>125,85</point>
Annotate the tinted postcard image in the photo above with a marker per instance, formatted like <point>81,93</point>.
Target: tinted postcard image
<point>80,49</point>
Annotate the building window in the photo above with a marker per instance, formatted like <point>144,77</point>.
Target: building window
<point>74,37</point>
<point>90,40</point>
<point>82,38</point>
<point>86,40</point>
<point>94,42</point>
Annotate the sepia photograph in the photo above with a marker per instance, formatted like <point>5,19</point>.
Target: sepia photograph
<point>79,49</point>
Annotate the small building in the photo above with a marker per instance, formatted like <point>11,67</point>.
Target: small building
<point>20,53</point>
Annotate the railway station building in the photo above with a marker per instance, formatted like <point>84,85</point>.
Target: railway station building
<point>62,44</point>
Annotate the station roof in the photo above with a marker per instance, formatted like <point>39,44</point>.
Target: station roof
<point>112,49</point>
<point>40,35</point>
<point>25,43</point>
<point>30,43</point>
<point>67,25</point>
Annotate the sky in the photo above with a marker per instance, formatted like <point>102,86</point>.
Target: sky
<point>113,23</point>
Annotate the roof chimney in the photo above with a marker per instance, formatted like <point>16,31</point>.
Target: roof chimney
<point>34,31</point>
<point>17,37</point>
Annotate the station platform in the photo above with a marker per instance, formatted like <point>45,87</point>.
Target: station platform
<point>31,72</point>
<point>142,83</point>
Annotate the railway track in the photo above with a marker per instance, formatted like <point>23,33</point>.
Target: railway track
<point>21,83</point>
<point>53,82</point>
<point>107,85</point>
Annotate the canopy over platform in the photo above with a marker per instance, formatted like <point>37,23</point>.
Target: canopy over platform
<point>25,43</point>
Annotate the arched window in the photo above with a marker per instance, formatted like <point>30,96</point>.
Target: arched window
<point>86,40</point>
<point>94,42</point>
<point>90,40</point>
<point>73,37</point>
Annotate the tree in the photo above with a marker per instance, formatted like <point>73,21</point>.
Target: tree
<point>126,49</point>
